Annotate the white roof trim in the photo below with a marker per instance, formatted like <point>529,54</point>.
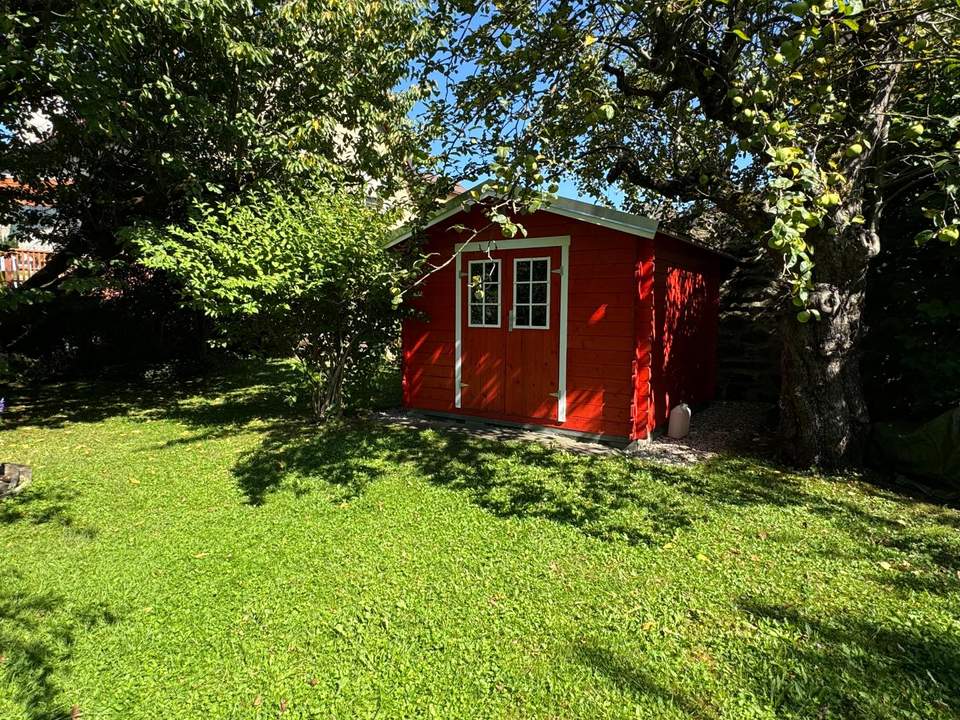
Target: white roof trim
<point>576,209</point>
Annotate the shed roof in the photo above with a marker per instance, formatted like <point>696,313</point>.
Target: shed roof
<point>576,209</point>
<point>629,223</point>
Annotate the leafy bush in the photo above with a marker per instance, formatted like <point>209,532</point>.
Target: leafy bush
<point>120,322</point>
<point>305,272</point>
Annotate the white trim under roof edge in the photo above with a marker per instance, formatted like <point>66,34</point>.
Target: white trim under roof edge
<point>576,209</point>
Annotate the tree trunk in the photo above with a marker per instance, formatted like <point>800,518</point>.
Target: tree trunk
<point>823,415</point>
<point>328,397</point>
<point>57,264</point>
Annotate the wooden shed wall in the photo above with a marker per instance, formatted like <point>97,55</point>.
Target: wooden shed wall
<point>603,364</point>
<point>686,289</point>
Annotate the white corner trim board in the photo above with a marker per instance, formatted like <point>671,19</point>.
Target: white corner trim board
<point>561,241</point>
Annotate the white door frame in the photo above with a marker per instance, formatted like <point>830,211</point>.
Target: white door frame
<point>561,241</point>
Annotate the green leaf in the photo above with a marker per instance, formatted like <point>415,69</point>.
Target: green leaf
<point>829,199</point>
<point>949,234</point>
<point>915,130</point>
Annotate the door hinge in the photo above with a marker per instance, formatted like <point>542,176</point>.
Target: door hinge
<point>463,385</point>
<point>558,270</point>
<point>555,394</point>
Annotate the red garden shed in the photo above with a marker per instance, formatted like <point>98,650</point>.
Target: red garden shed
<point>594,323</point>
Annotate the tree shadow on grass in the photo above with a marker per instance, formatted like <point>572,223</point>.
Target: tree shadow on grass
<point>846,664</point>
<point>607,497</point>
<point>641,686</point>
<point>37,637</point>
<point>42,506</point>
<point>602,497</point>
<point>613,498</point>
<point>249,390</point>
<point>303,456</point>
<point>843,665</point>
<point>804,665</point>
<point>229,412</point>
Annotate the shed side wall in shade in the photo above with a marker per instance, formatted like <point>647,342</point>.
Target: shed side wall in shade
<point>686,286</point>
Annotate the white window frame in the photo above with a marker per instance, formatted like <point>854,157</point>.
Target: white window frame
<point>484,305</point>
<point>530,304</point>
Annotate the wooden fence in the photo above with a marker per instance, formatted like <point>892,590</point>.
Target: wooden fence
<point>17,265</point>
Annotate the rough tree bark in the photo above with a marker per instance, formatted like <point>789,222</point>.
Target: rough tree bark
<point>823,414</point>
<point>824,419</point>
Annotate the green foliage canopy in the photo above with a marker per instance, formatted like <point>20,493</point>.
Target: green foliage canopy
<point>308,273</point>
<point>119,112</point>
<point>797,120</point>
<point>793,123</point>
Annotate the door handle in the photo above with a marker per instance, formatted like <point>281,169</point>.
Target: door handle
<point>511,319</point>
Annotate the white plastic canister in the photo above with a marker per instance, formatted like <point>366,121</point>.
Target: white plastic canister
<point>679,421</point>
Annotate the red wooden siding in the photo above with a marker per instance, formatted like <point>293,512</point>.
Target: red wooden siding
<point>642,415</point>
<point>428,342</point>
<point>686,287</point>
<point>641,332</point>
<point>600,331</point>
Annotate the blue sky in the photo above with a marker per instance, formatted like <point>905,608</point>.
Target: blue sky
<point>568,186</point>
<point>568,189</point>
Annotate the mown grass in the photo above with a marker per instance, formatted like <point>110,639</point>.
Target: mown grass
<point>196,551</point>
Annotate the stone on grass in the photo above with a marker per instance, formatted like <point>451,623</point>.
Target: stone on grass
<point>13,478</point>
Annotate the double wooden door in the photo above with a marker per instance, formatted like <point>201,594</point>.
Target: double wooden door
<point>510,319</point>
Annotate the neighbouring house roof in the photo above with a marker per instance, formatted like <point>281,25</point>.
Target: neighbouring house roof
<point>10,185</point>
<point>567,207</point>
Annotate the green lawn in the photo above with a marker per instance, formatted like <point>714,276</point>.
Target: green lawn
<point>197,552</point>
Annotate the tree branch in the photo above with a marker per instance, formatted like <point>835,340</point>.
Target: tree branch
<point>630,89</point>
<point>747,208</point>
